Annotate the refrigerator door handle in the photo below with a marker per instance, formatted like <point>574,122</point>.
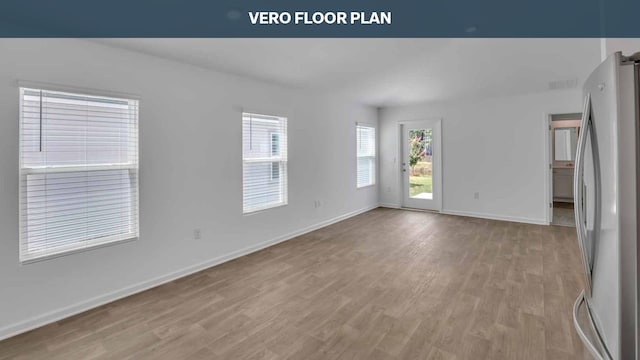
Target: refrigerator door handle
<point>593,349</point>
<point>578,179</point>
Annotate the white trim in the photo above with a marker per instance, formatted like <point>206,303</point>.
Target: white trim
<point>25,256</point>
<point>495,217</point>
<point>56,315</point>
<point>366,124</point>
<point>548,160</point>
<point>264,160</point>
<point>76,89</point>
<point>437,161</point>
<point>374,157</point>
<point>282,159</point>
<point>37,256</point>
<point>548,171</point>
<point>365,186</point>
<point>77,168</point>
<point>391,205</point>
<point>284,112</point>
<point>262,208</point>
<point>472,214</point>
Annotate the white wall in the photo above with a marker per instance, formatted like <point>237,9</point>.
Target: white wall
<point>190,173</point>
<point>493,146</point>
<point>609,46</point>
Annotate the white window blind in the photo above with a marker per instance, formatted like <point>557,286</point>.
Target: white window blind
<point>78,171</point>
<point>366,154</point>
<point>264,161</point>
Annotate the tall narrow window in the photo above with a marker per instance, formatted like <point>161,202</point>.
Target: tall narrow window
<point>264,162</point>
<point>78,171</point>
<point>366,154</point>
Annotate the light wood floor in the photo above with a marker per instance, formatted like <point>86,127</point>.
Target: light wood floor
<point>387,284</point>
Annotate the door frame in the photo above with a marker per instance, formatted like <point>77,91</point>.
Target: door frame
<point>437,177</point>
<point>548,158</point>
<point>548,168</point>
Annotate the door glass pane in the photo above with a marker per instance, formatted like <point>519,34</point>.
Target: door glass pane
<point>420,163</point>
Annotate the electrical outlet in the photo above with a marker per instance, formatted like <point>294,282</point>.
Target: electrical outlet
<point>476,195</point>
<point>197,234</point>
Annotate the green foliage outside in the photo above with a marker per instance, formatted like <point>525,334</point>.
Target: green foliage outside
<point>420,176</point>
<point>418,143</point>
<point>420,184</point>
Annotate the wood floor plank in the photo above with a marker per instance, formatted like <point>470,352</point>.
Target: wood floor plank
<point>387,284</point>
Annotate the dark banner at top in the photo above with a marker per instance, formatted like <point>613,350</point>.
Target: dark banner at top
<point>319,18</point>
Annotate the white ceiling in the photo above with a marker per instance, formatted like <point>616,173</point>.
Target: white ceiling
<point>387,72</point>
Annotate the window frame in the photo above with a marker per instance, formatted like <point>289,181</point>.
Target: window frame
<point>26,257</point>
<point>280,159</point>
<point>373,158</point>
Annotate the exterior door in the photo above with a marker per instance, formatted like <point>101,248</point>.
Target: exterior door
<point>421,165</point>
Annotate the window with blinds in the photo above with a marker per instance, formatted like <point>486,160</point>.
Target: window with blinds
<point>78,171</point>
<point>366,154</point>
<point>264,162</point>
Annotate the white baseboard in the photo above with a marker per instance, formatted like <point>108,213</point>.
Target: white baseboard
<point>56,315</point>
<point>390,205</point>
<point>474,214</point>
<point>496,217</point>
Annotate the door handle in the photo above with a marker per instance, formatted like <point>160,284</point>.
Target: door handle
<point>578,193</point>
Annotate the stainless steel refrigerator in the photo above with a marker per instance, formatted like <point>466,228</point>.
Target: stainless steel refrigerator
<point>606,208</point>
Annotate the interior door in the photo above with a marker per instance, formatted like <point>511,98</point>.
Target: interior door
<point>421,165</point>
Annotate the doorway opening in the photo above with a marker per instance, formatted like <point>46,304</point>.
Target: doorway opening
<point>564,130</point>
